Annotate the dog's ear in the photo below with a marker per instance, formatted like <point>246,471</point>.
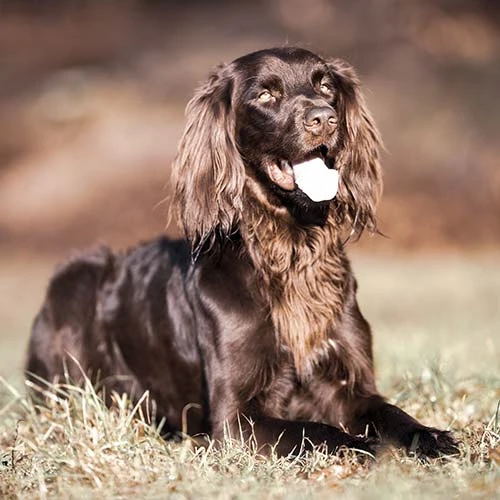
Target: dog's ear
<point>360,174</point>
<point>208,173</point>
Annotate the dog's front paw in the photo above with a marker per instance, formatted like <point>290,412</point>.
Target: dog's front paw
<point>432,443</point>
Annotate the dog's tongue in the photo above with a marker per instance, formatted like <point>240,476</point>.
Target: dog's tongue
<point>316,180</point>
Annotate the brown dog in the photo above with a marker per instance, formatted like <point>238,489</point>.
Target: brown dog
<point>255,315</point>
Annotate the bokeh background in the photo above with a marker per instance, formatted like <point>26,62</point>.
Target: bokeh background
<point>92,95</point>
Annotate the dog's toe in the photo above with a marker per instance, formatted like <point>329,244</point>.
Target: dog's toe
<point>433,443</point>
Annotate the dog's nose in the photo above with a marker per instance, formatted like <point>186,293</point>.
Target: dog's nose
<point>320,120</point>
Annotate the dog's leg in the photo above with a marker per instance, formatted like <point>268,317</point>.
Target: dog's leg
<point>293,436</point>
<point>287,437</point>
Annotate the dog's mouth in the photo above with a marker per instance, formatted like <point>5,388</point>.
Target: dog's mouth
<point>280,171</point>
<point>314,174</point>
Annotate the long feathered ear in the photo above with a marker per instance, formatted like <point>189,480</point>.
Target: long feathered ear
<point>208,173</point>
<point>360,174</point>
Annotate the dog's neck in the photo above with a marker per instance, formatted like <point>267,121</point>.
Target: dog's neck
<point>304,273</point>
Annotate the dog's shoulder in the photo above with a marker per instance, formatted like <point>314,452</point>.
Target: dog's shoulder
<point>161,252</point>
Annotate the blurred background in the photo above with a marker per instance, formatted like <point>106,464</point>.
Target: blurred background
<point>92,95</point>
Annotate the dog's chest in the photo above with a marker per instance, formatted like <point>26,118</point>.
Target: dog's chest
<point>303,276</point>
<point>320,398</point>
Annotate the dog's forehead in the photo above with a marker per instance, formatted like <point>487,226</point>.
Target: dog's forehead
<point>290,64</point>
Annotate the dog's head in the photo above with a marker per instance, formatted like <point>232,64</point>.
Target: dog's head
<point>254,122</point>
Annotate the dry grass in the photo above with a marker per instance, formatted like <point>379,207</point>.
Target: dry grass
<point>75,447</point>
<point>437,357</point>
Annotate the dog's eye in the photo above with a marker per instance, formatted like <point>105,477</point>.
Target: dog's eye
<point>266,96</point>
<point>325,88</point>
